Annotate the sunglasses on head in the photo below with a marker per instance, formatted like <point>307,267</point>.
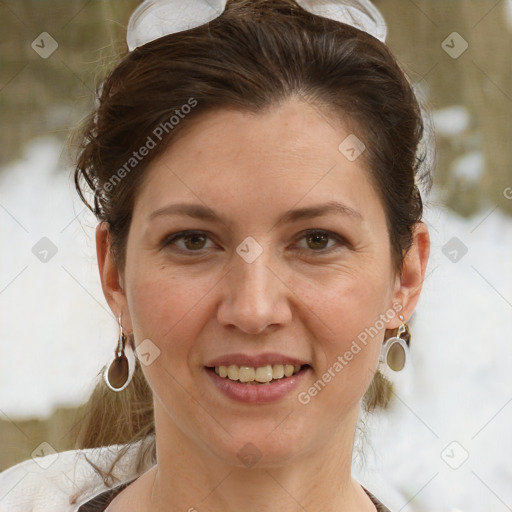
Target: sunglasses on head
<point>154,19</point>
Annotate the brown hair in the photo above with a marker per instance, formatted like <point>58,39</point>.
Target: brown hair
<point>254,56</point>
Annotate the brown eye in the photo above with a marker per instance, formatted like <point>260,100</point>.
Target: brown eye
<point>318,241</point>
<point>195,242</point>
<point>321,242</point>
<point>188,242</point>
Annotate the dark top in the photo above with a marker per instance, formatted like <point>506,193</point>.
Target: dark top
<point>102,501</point>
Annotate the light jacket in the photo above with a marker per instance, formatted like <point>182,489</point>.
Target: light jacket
<point>62,482</point>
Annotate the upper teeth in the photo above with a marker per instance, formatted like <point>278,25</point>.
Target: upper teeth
<point>259,374</point>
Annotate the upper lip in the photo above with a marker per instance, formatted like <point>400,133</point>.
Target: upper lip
<point>268,358</point>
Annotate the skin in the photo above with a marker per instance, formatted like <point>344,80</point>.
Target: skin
<point>296,298</point>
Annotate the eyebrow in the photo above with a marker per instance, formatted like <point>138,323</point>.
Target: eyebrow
<point>309,212</point>
<point>198,211</point>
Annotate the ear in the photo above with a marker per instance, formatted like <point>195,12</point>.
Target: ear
<point>111,277</point>
<point>409,284</point>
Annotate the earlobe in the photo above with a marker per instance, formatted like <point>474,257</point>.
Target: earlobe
<point>413,272</point>
<point>110,276</point>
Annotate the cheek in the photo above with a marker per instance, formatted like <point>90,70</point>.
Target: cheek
<point>169,306</point>
<point>345,303</point>
<point>346,319</point>
<point>359,306</point>
<point>161,308</point>
<point>159,303</point>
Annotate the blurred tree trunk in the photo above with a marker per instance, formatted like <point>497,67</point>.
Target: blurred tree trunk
<point>480,79</point>
<point>488,92</point>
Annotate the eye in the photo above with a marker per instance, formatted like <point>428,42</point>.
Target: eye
<point>188,241</point>
<point>318,241</point>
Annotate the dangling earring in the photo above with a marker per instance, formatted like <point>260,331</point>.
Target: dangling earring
<point>119,372</point>
<point>395,350</point>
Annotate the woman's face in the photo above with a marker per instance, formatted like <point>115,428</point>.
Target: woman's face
<point>286,260</point>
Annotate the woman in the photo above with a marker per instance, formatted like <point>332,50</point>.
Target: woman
<point>255,172</point>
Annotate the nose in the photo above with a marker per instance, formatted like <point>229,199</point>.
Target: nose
<point>254,297</point>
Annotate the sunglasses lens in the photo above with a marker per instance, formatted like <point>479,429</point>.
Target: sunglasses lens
<point>361,14</point>
<point>157,18</point>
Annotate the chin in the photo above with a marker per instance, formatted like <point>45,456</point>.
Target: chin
<point>260,444</point>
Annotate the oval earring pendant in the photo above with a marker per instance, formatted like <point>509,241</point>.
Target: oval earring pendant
<point>395,354</point>
<point>119,372</point>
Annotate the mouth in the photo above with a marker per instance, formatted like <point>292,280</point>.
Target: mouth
<point>260,375</point>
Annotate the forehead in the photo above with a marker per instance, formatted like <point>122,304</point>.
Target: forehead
<point>290,153</point>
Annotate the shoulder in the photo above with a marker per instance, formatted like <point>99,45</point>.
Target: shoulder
<point>61,482</point>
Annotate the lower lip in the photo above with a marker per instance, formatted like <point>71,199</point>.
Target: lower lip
<point>257,393</point>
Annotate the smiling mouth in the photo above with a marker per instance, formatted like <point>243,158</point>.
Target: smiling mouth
<point>260,375</point>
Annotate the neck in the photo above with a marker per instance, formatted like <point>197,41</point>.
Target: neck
<point>192,479</point>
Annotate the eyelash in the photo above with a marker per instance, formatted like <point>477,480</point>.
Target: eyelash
<point>170,240</point>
